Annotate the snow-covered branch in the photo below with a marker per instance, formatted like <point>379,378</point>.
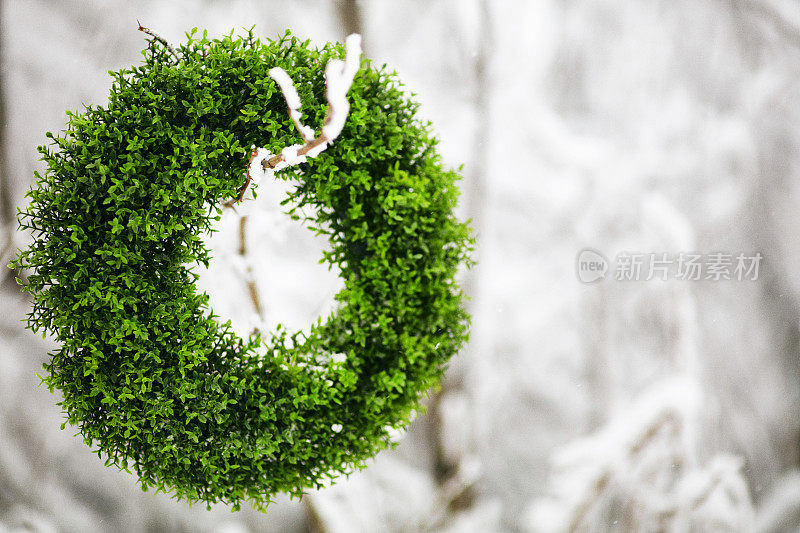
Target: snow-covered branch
<point>338,79</point>
<point>292,101</point>
<point>644,466</point>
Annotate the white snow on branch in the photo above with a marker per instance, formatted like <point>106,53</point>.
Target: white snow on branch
<point>255,170</point>
<point>653,444</point>
<point>338,79</point>
<point>315,151</point>
<point>291,156</point>
<point>287,87</point>
<point>292,101</point>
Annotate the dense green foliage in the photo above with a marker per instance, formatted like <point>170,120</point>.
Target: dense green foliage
<point>149,376</point>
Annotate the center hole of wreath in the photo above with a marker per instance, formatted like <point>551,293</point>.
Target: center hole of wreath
<point>276,277</point>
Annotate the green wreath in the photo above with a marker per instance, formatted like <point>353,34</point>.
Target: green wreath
<point>147,374</point>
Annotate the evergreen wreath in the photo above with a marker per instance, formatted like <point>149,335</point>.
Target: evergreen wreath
<point>147,374</point>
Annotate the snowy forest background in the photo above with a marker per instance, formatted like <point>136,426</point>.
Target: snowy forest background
<point>653,126</point>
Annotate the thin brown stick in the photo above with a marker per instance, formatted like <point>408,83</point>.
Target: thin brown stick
<point>243,188</point>
<point>160,39</point>
<point>252,289</point>
<point>243,236</point>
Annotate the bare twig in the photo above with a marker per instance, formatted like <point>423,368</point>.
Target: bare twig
<point>160,39</point>
<point>252,289</point>
<point>243,188</point>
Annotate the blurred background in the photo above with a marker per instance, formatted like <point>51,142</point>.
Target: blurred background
<point>653,127</point>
